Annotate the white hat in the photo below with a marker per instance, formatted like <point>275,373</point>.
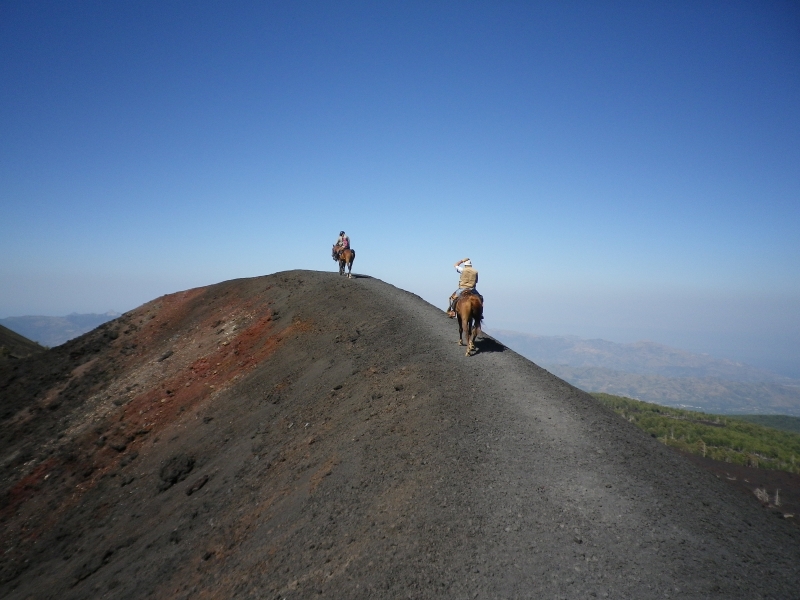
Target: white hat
<point>467,263</point>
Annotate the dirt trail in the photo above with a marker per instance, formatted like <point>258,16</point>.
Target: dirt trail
<point>302,435</point>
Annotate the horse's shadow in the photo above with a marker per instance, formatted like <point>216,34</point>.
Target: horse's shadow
<point>489,344</point>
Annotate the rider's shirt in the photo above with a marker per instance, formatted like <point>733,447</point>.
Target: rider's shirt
<point>469,277</point>
<point>343,241</point>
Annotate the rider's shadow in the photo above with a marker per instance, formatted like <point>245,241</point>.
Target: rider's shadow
<point>489,344</point>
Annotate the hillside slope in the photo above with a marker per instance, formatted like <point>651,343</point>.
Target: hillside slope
<point>13,345</point>
<point>302,435</point>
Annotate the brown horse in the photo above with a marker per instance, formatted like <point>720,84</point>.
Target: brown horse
<point>469,311</point>
<point>346,258</point>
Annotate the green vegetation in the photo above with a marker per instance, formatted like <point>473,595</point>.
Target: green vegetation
<point>723,438</point>
<point>782,422</point>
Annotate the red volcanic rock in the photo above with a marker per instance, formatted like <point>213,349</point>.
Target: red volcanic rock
<point>302,434</point>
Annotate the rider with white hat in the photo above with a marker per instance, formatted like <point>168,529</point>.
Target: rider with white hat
<point>468,280</point>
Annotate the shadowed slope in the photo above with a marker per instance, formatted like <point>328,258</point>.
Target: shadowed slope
<point>13,345</point>
<point>301,434</point>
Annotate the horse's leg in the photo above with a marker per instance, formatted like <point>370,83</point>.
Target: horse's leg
<point>470,346</point>
<point>476,329</point>
<point>473,336</point>
<point>460,328</point>
<point>473,327</point>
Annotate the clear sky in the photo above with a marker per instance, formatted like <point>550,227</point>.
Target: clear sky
<point>625,170</point>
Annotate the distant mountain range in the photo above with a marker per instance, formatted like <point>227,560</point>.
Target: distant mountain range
<point>660,374</point>
<point>54,331</point>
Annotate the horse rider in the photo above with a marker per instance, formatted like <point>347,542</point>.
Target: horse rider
<point>342,242</point>
<point>468,280</point>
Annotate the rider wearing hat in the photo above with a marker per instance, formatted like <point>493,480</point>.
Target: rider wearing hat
<point>468,280</point>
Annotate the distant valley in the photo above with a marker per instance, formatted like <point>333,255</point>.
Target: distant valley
<point>54,331</point>
<point>656,373</point>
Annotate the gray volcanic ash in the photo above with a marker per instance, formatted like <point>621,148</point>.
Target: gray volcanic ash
<point>301,435</point>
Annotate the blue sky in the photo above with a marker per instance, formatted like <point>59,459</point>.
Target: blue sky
<point>618,170</point>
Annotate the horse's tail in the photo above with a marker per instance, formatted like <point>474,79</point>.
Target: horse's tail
<point>477,311</point>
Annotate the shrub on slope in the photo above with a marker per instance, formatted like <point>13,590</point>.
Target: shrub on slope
<point>722,438</point>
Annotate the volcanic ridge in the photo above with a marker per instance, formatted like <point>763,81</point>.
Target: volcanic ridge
<point>306,435</point>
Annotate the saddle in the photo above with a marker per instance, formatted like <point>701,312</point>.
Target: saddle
<point>467,294</point>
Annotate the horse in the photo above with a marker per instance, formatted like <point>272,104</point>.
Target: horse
<point>469,311</point>
<point>346,258</point>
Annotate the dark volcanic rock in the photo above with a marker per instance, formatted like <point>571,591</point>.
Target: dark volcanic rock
<point>348,449</point>
<point>176,469</point>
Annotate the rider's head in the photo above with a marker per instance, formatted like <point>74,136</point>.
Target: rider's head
<point>341,233</point>
<point>467,263</point>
